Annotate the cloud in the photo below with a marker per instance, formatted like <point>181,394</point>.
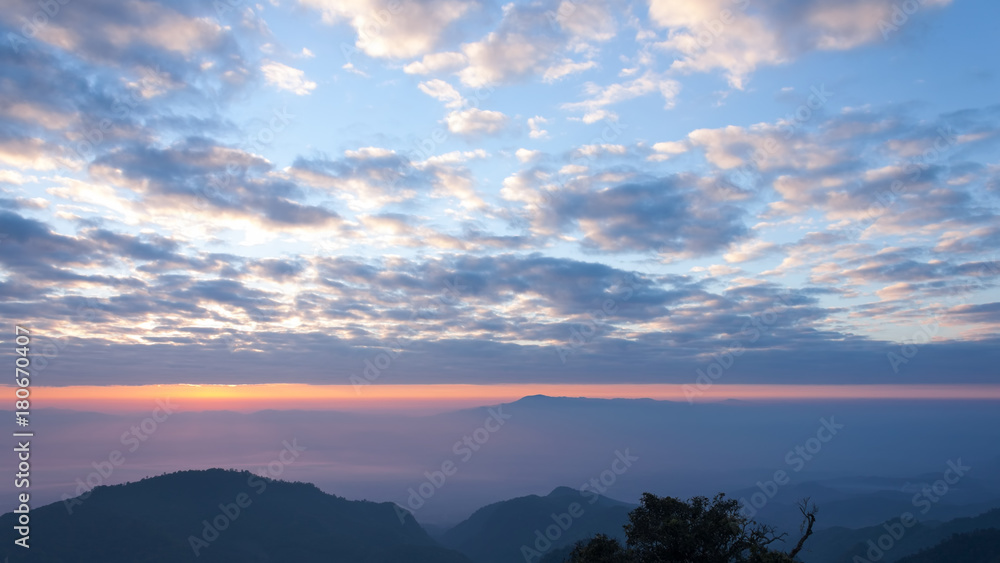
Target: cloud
<point>31,249</point>
<point>590,20</point>
<point>367,179</point>
<point>349,67</point>
<point>535,126</point>
<point>749,251</point>
<point>668,216</point>
<point>195,176</point>
<point>739,37</point>
<point>253,301</point>
<point>182,43</point>
<point>127,196</point>
<point>525,187</point>
<point>457,182</point>
<point>33,153</point>
<point>371,178</point>
<point>851,169</point>
<point>600,97</point>
<point>92,111</point>
<point>502,58</point>
<point>534,41</point>
<point>403,29</point>
<point>566,68</point>
<point>284,77</point>
<point>15,177</point>
<point>443,92</point>
<point>525,155</point>
<point>666,150</point>
<point>436,62</point>
<point>465,119</point>
<point>405,231</point>
<point>474,121</point>
<point>457,156</point>
<point>591,152</point>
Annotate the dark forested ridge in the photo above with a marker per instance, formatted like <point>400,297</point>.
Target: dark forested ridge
<point>500,532</point>
<point>842,545</point>
<point>221,515</point>
<point>980,546</point>
<point>167,518</point>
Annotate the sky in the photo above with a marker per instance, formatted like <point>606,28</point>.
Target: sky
<point>363,193</point>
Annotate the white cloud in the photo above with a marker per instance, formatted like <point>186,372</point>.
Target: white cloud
<point>586,19</point>
<point>737,38</point>
<point>597,115</point>
<point>667,149</point>
<point>565,68</point>
<point>399,29</point>
<point>593,151</point>
<point>719,270</point>
<point>573,169</point>
<point>523,187</point>
<point>457,182</point>
<point>287,78</point>
<point>15,177</point>
<point>532,41</point>
<point>503,57</point>
<point>367,153</point>
<point>603,96</point>
<point>474,121</point>
<point>349,67</point>
<point>35,113</point>
<point>535,124</point>
<point>526,43</point>
<point>525,155</point>
<point>34,153</point>
<point>463,120</point>
<point>436,62</point>
<point>442,91</point>
<point>456,157</point>
<point>748,251</point>
<point>732,146</point>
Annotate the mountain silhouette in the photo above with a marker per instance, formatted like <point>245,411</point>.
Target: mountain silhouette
<point>980,546</point>
<point>220,515</point>
<point>842,545</point>
<point>196,516</point>
<point>498,533</point>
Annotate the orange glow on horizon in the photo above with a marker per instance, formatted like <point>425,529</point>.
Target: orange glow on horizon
<point>441,397</point>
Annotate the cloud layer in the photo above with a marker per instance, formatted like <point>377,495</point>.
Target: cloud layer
<point>547,191</point>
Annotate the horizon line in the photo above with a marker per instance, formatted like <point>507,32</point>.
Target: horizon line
<point>437,397</point>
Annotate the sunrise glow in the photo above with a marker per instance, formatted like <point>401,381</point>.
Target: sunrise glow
<point>430,397</point>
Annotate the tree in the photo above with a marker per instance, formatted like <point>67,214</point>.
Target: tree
<point>669,530</point>
<point>600,549</point>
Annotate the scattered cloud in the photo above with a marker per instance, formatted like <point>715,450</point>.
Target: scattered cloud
<point>287,78</point>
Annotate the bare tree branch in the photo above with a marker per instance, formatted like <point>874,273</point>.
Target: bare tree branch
<point>809,518</point>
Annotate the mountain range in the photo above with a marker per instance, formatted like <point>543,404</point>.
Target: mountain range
<point>221,515</point>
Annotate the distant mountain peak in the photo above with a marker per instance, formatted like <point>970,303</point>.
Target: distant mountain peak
<point>562,399</point>
<point>563,491</point>
<point>495,533</point>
